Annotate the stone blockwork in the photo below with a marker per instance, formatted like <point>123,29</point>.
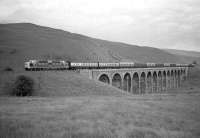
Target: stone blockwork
<point>140,80</point>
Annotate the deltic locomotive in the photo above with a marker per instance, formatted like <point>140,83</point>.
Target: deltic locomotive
<point>67,65</point>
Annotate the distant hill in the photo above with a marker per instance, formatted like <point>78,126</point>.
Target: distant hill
<point>24,41</point>
<point>185,56</point>
<point>183,52</point>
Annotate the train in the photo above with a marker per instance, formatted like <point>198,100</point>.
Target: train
<point>67,65</point>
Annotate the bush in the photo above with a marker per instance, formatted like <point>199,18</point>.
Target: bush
<point>23,86</point>
<point>8,69</point>
<point>13,51</point>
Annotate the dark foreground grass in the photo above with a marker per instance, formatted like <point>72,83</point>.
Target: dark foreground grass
<point>148,116</point>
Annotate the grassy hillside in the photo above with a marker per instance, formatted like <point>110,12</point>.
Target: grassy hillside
<point>54,83</point>
<point>183,52</point>
<point>24,41</point>
<point>194,77</point>
<point>185,56</point>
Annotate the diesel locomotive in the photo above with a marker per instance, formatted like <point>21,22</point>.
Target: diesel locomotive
<point>66,65</point>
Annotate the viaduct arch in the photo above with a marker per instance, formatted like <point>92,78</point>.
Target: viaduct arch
<point>104,78</point>
<point>140,80</point>
<point>117,81</point>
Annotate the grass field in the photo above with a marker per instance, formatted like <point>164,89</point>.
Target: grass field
<point>149,116</point>
<point>67,105</point>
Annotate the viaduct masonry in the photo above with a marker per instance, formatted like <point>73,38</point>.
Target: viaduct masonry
<point>140,80</point>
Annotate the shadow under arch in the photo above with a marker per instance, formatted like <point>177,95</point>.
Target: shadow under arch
<point>168,79</point>
<point>184,75</point>
<point>127,82</point>
<point>172,79</point>
<point>159,81</point>
<point>142,83</point>
<point>149,83</point>
<point>164,81</point>
<point>104,78</point>
<point>117,81</point>
<point>181,75</point>
<point>135,83</point>
<point>179,78</point>
<point>176,79</point>
<point>154,82</point>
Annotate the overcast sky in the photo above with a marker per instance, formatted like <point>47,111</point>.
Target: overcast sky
<point>156,23</point>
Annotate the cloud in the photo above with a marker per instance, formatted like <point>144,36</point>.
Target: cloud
<point>159,23</point>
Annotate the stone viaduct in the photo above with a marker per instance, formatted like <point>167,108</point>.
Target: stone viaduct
<point>140,80</point>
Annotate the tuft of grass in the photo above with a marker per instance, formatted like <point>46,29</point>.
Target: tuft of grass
<point>1,51</point>
<point>139,133</point>
<point>13,51</point>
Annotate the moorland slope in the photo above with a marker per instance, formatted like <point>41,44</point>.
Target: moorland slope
<point>24,41</point>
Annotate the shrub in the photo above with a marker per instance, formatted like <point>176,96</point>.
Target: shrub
<point>194,62</point>
<point>13,51</point>
<point>8,69</point>
<point>23,86</point>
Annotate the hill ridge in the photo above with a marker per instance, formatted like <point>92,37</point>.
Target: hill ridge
<point>23,41</point>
